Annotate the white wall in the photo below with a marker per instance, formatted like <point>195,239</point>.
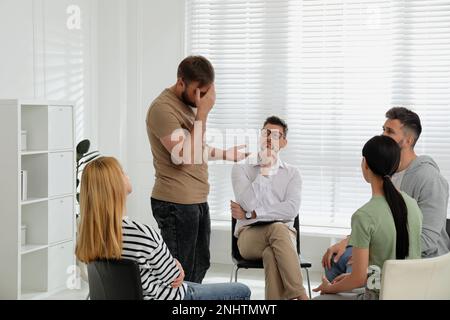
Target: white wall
<point>112,78</point>
<point>41,58</point>
<point>159,50</point>
<point>17,54</point>
<point>125,53</point>
<point>141,45</point>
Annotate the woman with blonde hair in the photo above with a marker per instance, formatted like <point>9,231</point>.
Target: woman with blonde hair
<point>105,233</point>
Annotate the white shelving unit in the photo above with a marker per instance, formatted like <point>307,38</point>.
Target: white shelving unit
<point>38,267</point>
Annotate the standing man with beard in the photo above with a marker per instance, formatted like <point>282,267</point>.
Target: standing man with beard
<point>176,125</point>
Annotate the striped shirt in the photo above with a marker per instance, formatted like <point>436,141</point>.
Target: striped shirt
<point>157,266</point>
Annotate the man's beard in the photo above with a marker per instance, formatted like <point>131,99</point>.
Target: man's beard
<point>186,100</point>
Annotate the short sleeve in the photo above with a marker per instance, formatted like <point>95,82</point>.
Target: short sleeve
<point>161,121</point>
<point>362,229</point>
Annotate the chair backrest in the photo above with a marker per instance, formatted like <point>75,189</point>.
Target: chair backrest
<point>422,279</point>
<point>114,280</point>
<point>297,228</point>
<point>448,227</point>
<point>235,254</point>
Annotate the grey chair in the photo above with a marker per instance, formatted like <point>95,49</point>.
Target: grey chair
<point>114,280</point>
<point>241,263</point>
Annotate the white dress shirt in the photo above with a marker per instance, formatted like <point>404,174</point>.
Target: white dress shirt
<point>273,198</point>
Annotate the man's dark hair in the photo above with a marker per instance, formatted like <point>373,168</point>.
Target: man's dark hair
<point>196,68</point>
<point>409,119</point>
<point>278,122</point>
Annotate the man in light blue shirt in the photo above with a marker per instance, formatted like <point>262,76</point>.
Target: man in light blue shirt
<point>267,203</point>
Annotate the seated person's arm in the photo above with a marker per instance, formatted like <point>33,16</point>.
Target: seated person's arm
<point>178,282</point>
<point>178,144</point>
<point>232,154</point>
<point>362,229</point>
<point>287,209</point>
<point>157,255</point>
<point>165,267</point>
<point>433,204</point>
<point>177,141</point>
<point>246,192</point>
<point>337,249</point>
<point>347,282</point>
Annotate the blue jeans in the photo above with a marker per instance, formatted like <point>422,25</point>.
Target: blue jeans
<point>219,291</point>
<point>340,267</point>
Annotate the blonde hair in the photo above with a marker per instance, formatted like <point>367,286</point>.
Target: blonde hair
<point>102,204</point>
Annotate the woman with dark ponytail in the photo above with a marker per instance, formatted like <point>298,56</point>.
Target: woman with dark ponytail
<point>388,227</point>
<point>385,168</point>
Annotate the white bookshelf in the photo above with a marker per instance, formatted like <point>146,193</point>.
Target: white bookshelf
<point>38,267</point>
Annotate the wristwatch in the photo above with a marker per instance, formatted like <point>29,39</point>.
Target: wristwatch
<point>248,215</point>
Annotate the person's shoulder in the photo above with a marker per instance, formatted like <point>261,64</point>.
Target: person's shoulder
<point>161,112</point>
<point>362,211</point>
<point>366,217</point>
<point>163,103</point>
<point>372,208</point>
<point>241,172</point>
<point>139,228</point>
<point>427,172</point>
<point>160,107</point>
<point>425,169</point>
<point>290,167</point>
<point>361,215</point>
<point>241,167</point>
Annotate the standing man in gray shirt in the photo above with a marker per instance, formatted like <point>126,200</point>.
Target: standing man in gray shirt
<point>420,178</point>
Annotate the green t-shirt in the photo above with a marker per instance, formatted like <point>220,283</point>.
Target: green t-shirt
<point>373,228</point>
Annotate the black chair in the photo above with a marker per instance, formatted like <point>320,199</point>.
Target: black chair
<point>241,263</point>
<point>114,280</point>
<point>448,226</point>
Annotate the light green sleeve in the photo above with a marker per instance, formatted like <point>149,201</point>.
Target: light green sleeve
<point>362,230</point>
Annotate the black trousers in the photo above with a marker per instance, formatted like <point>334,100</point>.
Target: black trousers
<point>186,229</point>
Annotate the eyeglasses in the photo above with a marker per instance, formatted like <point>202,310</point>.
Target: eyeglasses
<point>276,134</point>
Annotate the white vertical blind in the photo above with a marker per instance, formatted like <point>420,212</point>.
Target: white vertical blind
<point>421,77</point>
<point>331,69</point>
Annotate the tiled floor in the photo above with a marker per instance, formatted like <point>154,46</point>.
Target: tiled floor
<point>218,273</point>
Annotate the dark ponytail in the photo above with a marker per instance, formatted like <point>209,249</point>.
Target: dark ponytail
<point>382,155</point>
<point>400,214</point>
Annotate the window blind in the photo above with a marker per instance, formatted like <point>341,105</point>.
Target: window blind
<point>331,69</point>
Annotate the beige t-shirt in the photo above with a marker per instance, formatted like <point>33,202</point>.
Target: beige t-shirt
<point>182,184</point>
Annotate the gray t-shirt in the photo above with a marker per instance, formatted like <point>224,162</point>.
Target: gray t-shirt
<point>398,178</point>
